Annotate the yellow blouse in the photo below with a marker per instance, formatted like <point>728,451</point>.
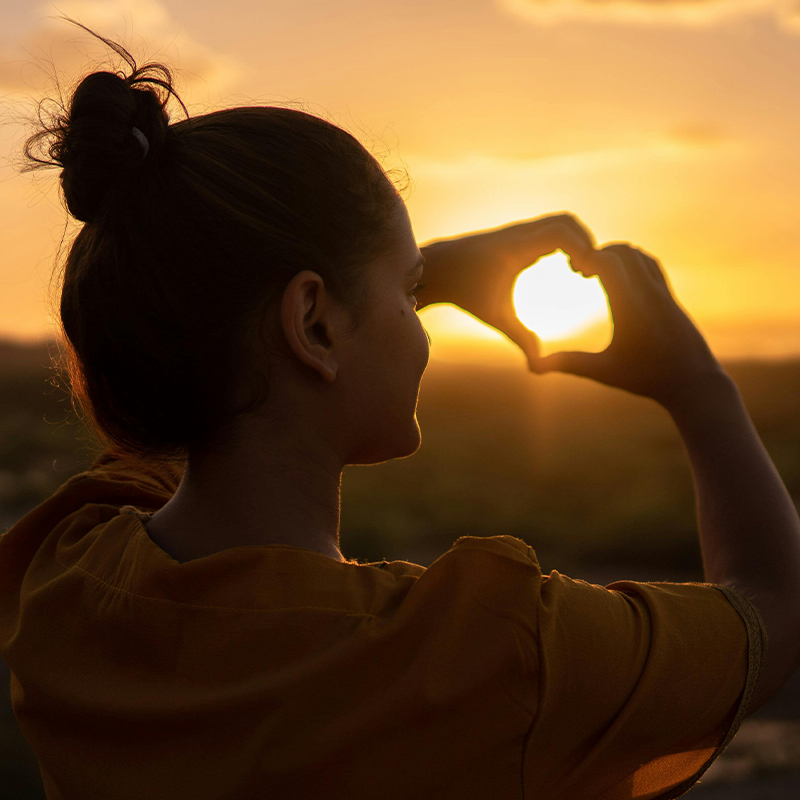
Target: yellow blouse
<point>275,672</point>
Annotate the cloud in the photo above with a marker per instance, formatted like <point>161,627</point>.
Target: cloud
<point>648,12</point>
<point>682,143</point>
<point>145,27</point>
<point>697,134</point>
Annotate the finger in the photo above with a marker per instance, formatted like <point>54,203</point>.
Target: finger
<point>611,271</point>
<point>641,268</point>
<point>529,248</point>
<point>603,263</point>
<point>537,238</point>
<point>656,270</point>
<point>586,365</point>
<point>638,263</point>
<point>565,219</point>
<point>522,336</point>
<point>626,253</point>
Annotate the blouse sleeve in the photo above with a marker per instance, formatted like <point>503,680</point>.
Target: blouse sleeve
<point>638,686</point>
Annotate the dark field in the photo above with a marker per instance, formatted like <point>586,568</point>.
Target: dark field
<point>596,480</point>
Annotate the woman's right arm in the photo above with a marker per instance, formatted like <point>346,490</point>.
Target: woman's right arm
<point>748,525</point>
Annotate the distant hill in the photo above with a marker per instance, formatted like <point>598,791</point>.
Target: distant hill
<point>20,357</point>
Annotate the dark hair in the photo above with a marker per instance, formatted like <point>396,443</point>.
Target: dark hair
<point>185,250</point>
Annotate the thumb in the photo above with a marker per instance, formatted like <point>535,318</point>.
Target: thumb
<point>586,365</point>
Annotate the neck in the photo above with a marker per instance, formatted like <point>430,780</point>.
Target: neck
<point>255,492</point>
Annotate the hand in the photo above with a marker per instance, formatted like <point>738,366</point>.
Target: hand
<point>476,272</point>
<point>656,349</point>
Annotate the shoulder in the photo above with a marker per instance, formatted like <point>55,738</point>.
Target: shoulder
<point>112,480</point>
<point>494,575</point>
<point>508,548</point>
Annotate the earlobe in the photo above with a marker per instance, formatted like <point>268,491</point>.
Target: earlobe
<point>306,324</point>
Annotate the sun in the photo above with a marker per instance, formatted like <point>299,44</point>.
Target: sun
<point>555,302</point>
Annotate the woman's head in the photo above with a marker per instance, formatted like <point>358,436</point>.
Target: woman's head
<point>176,291</point>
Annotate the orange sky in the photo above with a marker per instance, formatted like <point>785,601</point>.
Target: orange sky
<point>674,126</point>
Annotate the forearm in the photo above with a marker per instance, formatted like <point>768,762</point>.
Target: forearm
<point>748,525</point>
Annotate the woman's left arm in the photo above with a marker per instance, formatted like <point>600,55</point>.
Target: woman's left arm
<point>476,272</point>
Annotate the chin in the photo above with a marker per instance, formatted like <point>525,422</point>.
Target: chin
<point>401,446</point>
<point>413,443</point>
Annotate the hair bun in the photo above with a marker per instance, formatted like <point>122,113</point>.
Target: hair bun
<point>99,153</point>
<point>92,140</point>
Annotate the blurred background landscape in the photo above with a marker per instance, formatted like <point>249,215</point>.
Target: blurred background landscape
<point>594,479</point>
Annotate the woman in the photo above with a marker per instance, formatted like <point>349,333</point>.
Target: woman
<point>239,317</point>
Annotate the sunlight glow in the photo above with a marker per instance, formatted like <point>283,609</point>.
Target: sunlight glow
<point>555,302</point>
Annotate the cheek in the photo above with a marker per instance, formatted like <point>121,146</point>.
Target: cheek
<point>397,346</point>
<point>425,344</point>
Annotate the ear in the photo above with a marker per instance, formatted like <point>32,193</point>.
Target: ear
<point>307,323</point>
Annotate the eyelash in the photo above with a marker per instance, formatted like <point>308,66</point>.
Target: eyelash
<point>418,288</point>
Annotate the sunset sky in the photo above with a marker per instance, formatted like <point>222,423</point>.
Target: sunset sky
<point>673,125</point>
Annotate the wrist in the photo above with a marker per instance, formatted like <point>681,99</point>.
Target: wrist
<point>707,389</point>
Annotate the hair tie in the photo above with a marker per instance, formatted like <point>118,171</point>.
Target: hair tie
<point>142,141</point>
